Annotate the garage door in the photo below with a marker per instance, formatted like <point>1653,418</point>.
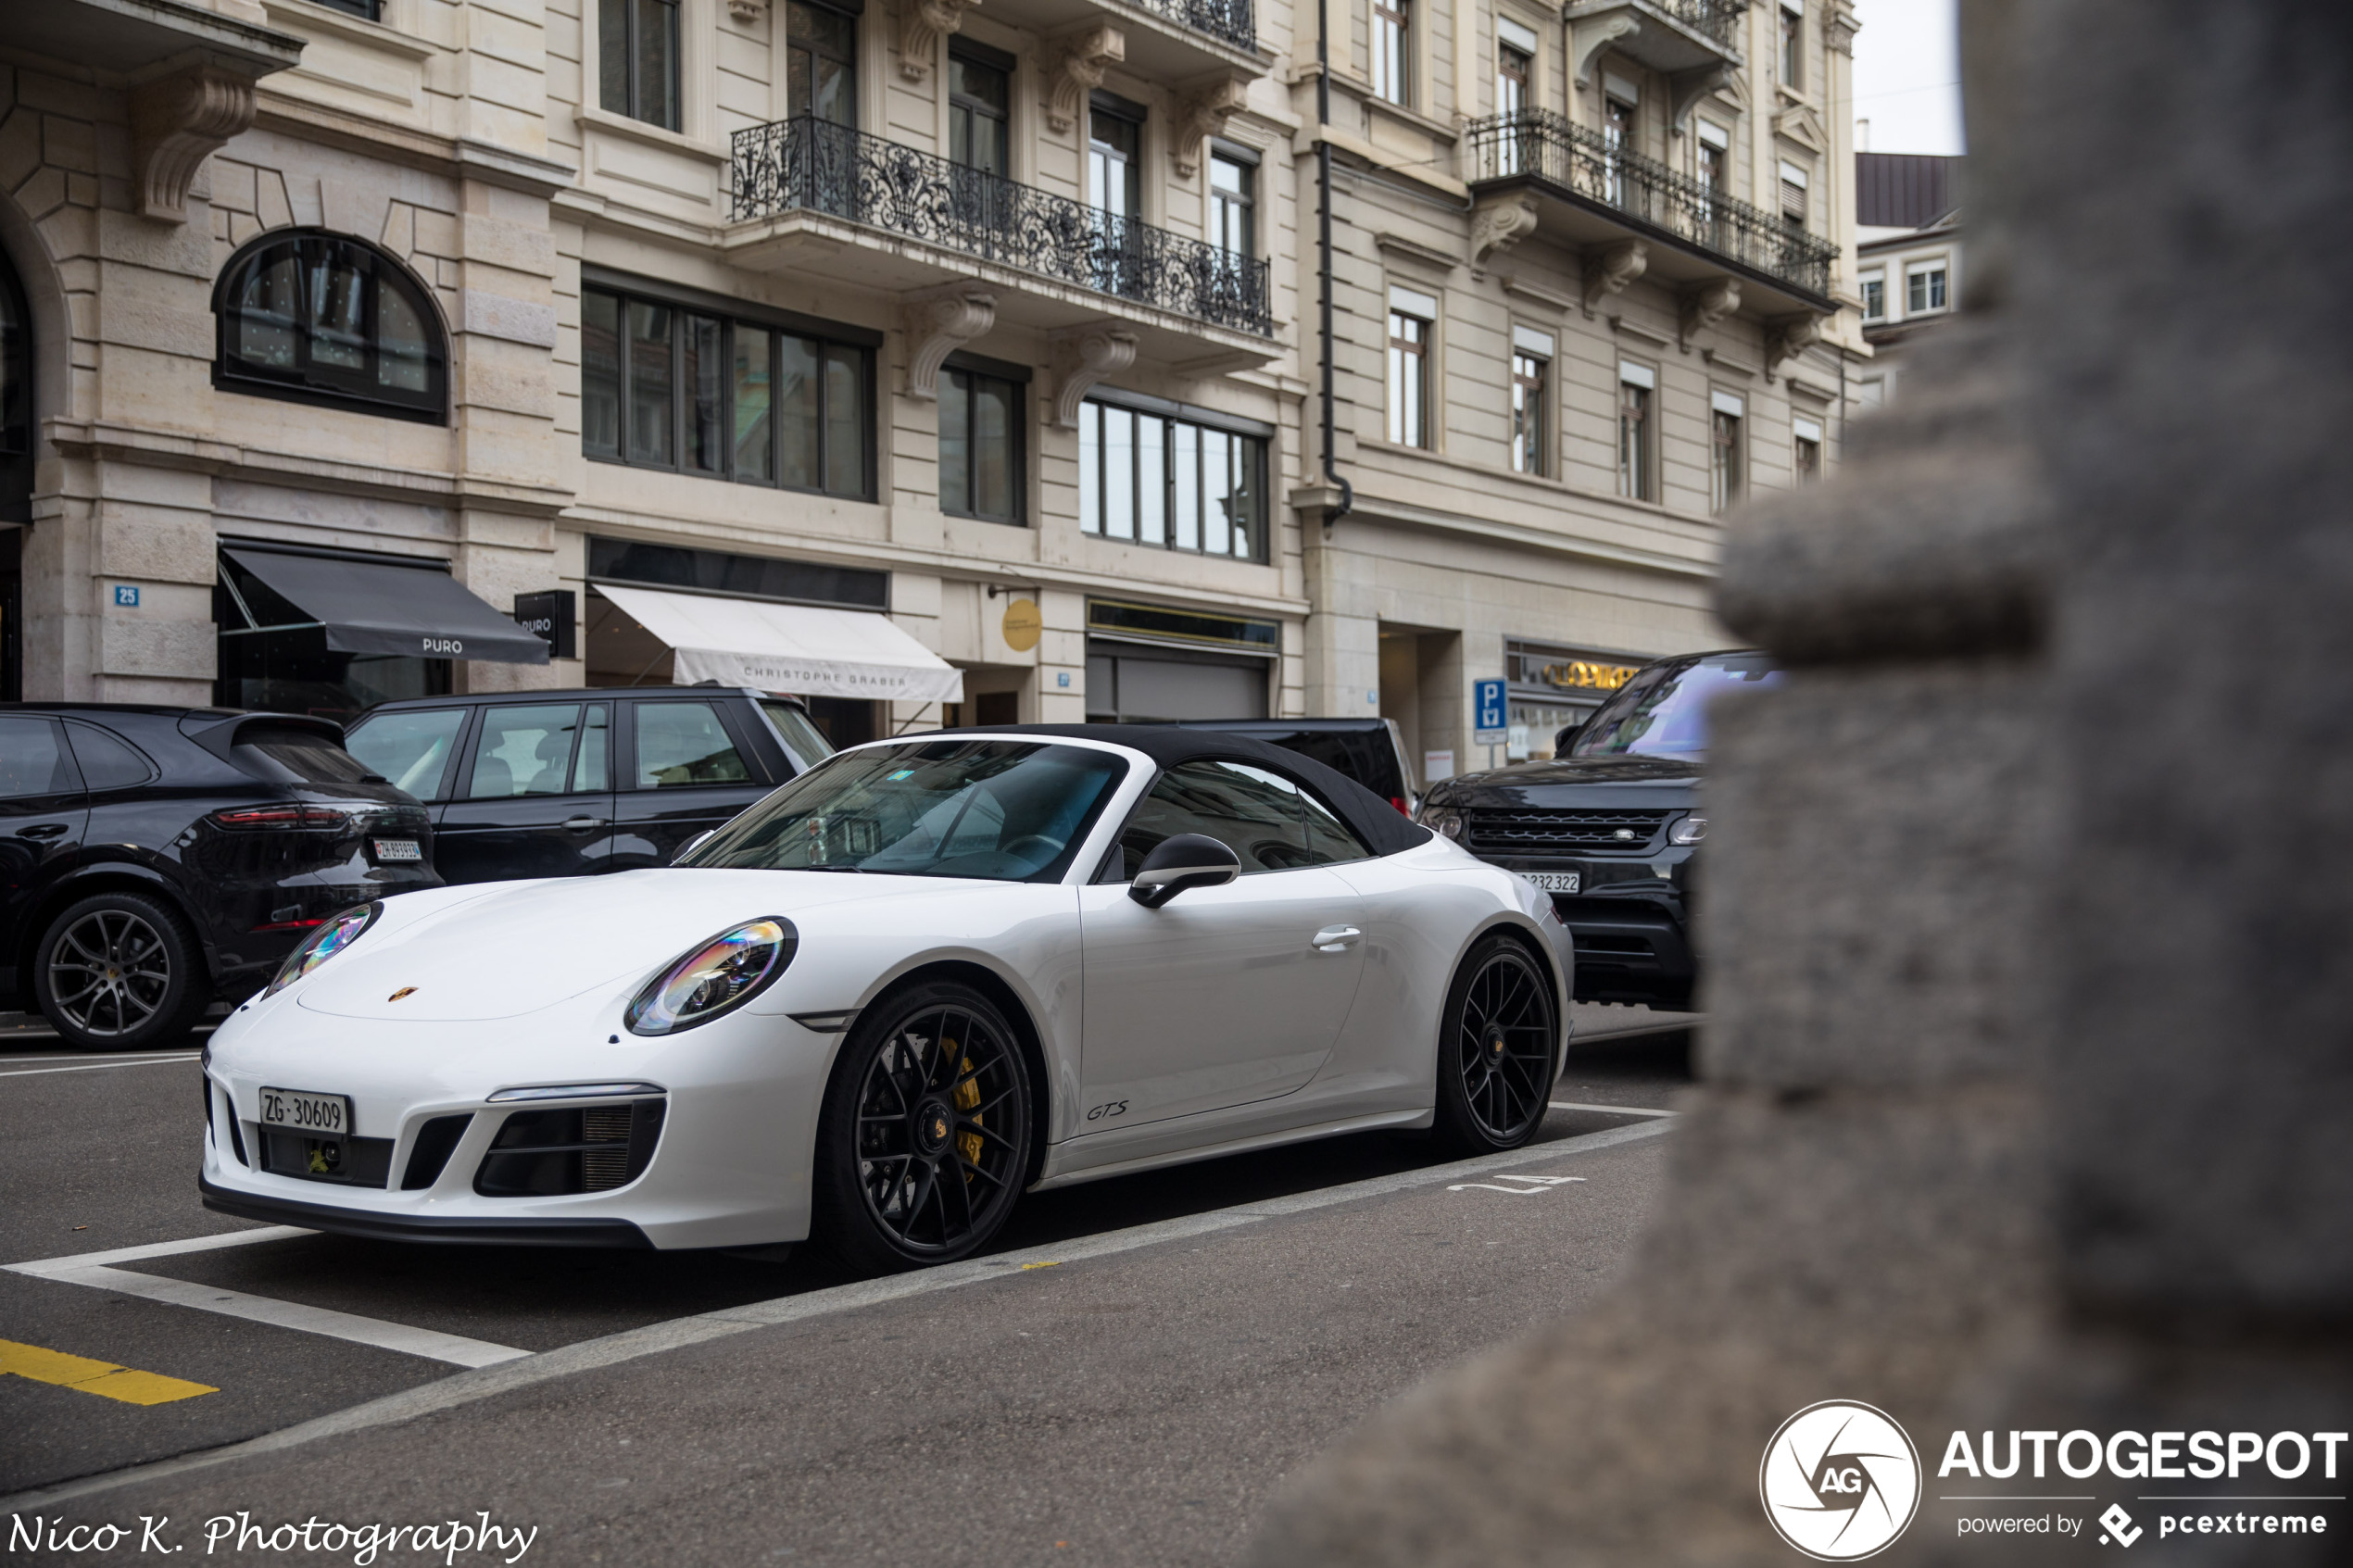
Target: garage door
<point>1129,686</point>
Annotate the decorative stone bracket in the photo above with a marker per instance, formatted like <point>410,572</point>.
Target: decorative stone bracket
<point>1789,337</point>
<point>921,27</point>
<point>1610,269</point>
<point>1205,115</point>
<point>1078,70</point>
<point>1705,305</point>
<point>1686,88</point>
<point>940,326</point>
<point>1586,39</point>
<point>749,13</point>
<point>1083,358</point>
<point>1499,224</point>
<point>177,121</point>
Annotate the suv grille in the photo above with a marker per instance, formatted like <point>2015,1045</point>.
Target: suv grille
<point>1495,832</point>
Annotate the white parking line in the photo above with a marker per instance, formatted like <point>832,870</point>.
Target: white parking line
<point>1618,1109</point>
<point>96,1066</point>
<point>99,1270</point>
<point>486,1382</point>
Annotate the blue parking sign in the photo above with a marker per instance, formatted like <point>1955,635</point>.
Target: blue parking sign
<point>1493,719</point>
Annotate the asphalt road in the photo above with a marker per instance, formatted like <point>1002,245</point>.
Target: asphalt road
<point>1123,1381</point>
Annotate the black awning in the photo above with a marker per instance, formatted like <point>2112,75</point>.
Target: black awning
<point>371,607</point>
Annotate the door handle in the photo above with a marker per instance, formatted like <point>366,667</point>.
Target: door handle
<point>42,830</point>
<point>1337,938</point>
<point>582,824</point>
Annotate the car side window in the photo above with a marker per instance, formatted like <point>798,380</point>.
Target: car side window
<point>524,750</point>
<point>108,762</point>
<point>1252,812</point>
<point>1329,840</point>
<point>32,762</point>
<point>409,749</point>
<point>683,743</point>
<point>592,769</point>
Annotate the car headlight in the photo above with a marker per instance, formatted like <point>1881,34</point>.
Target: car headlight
<point>719,975</point>
<point>1443,820</point>
<point>331,937</point>
<point>1691,829</point>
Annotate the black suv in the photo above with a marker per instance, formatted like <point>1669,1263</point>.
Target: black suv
<point>1610,824</point>
<point>536,784</point>
<point>153,858</point>
<point>1368,750</point>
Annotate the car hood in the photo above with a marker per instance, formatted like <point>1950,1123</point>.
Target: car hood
<point>1632,781</point>
<point>521,946</point>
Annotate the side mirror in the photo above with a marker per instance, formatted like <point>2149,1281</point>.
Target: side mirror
<point>1183,860</point>
<point>692,844</point>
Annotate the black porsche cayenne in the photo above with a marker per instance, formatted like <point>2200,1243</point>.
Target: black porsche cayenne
<point>153,859</point>
<point>1611,823</point>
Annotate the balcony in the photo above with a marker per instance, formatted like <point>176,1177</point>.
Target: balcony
<point>806,188</point>
<point>1590,194</point>
<point>1169,41</point>
<point>1673,36</point>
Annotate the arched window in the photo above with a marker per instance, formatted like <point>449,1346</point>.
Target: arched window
<point>16,400</point>
<point>320,317</point>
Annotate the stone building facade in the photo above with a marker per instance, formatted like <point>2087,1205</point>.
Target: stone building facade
<point>1002,324</point>
<point>1907,251</point>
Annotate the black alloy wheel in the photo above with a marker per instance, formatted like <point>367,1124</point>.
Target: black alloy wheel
<point>1498,1046</point>
<point>924,1143</point>
<point>120,972</point>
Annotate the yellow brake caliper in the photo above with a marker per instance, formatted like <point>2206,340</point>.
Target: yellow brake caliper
<point>967,1101</point>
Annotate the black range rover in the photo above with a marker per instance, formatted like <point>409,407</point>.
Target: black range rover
<point>1609,825</point>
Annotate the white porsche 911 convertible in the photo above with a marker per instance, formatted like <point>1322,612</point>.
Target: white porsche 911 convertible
<point>919,980</point>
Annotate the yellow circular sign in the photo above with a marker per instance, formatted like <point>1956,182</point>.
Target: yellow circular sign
<point>1022,625</point>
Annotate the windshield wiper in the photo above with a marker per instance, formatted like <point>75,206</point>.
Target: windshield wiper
<point>831,867</point>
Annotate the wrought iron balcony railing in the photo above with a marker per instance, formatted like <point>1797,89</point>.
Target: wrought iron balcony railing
<point>1713,19</point>
<point>814,166</point>
<point>1541,145</point>
<point>1235,22</point>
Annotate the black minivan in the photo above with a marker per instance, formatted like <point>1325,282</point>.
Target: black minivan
<point>532,783</point>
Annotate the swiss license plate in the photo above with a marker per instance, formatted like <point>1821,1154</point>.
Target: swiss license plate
<point>399,849</point>
<point>299,1110</point>
<point>1555,882</point>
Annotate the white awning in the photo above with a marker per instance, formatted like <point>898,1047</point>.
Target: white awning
<point>797,648</point>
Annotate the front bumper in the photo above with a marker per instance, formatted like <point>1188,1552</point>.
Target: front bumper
<point>1630,917</point>
<point>729,1165</point>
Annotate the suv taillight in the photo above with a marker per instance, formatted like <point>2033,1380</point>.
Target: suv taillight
<point>250,818</point>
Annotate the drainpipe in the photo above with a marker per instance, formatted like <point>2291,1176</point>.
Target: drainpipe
<point>1324,249</point>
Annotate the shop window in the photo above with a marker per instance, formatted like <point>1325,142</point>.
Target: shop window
<point>637,60</point>
<point>981,439</point>
<point>1151,477</point>
<point>667,386</point>
<point>273,656</point>
<point>319,318</point>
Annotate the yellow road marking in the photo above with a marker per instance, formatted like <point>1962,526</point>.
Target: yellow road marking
<point>1054,1263</point>
<point>97,1377</point>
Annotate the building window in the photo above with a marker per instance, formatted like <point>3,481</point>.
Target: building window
<point>1635,385</point>
<point>368,11</point>
<point>637,60</point>
<point>1411,315</point>
<point>1793,182</point>
<point>1923,288</point>
<point>981,439</point>
<point>1233,196</point>
<point>317,318</point>
<point>1393,50</point>
<point>1793,46</point>
<point>1807,458</point>
<point>1715,160</point>
<point>1726,477</point>
<point>1150,477</point>
<point>668,387</point>
<point>1515,66</point>
<point>979,112</point>
<point>1531,400</point>
<point>1874,297</point>
<point>1618,137</point>
<point>821,62</point>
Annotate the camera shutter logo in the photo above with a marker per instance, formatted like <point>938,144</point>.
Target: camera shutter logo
<point>1841,1481</point>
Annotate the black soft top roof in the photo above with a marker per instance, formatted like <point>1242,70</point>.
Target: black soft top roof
<point>1378,823</point>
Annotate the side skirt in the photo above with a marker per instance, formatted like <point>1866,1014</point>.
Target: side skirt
<point>1052,1177</point>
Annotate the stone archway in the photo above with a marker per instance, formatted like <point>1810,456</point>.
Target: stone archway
<point>35,369</point>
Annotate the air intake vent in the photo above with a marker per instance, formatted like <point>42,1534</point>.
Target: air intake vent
<point>437,1140</point>
<point>550,1153</point>
<point>1517,831</point>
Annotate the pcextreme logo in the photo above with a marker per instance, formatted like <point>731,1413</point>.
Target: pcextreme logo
<point>1840,1481</point>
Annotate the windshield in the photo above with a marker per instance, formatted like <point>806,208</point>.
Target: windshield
<point>1001,810</point>
<point>1662,711</point>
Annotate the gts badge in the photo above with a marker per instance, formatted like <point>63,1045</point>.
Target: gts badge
<point>1108,1111</point>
